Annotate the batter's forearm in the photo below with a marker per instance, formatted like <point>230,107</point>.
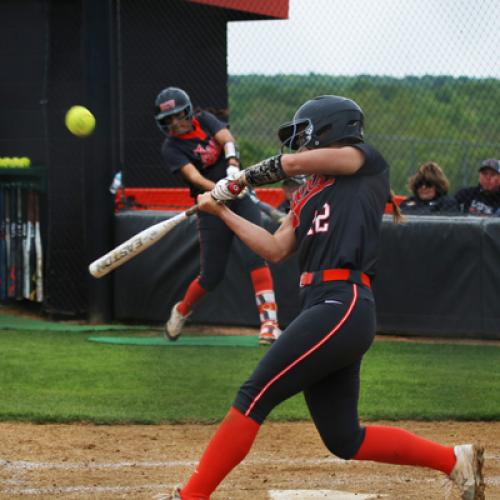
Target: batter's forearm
<point>258,239</point>
<point>325,161</point>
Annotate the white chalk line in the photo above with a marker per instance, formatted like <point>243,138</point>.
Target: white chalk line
<point>20,466</point>
<point>86,489</point>
<point>25,465</point>
<point>29,465</point>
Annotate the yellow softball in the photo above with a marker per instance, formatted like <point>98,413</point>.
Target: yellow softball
<point>80,121</point>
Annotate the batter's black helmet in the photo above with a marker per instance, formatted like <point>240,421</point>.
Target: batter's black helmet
<point>171,101</point>
<point>323,121</point>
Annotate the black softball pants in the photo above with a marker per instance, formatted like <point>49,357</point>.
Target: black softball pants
<point>216,240</point>
<point>318,354</point>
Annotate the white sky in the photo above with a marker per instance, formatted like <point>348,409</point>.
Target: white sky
<point>376,37</point>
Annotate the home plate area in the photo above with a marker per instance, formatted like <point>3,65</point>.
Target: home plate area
<point>324,494</point>
<point>288,461</point>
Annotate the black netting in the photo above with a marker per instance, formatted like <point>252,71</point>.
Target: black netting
<point>162,44</point>
<point>436,110</point>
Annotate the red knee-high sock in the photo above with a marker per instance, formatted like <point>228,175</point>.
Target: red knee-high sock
<point>262,279</point>
<point>397,446</point>
<point>227,448</point>
<point>193,294</point>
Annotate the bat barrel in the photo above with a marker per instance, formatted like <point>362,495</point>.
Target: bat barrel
<point>135,245</point>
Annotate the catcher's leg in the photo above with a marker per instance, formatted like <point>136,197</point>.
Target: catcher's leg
<point>260,275</point>
<point>215,243</point>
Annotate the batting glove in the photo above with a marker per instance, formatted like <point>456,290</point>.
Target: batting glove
<point>232,171</point>
<point>226,190</point>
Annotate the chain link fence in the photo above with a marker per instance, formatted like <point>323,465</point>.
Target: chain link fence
<point>411,120</point>
<point>425,73</point>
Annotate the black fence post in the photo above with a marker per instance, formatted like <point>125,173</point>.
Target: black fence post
<point>98,35</point>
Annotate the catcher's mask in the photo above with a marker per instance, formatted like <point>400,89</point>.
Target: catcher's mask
<point>322,121</point>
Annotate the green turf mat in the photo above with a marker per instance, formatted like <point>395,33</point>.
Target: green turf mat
<point>19,323</point>
<point>220,341</point>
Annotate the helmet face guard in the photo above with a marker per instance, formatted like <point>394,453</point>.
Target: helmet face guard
<point>165,121</point>
<point>296,134</point>
<point>323,121</point>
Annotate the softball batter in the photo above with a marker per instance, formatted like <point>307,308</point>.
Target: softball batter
<point>334,225</point>
<point>202,149</point>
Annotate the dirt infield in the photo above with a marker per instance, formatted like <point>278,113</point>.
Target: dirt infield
<point>138,462</point>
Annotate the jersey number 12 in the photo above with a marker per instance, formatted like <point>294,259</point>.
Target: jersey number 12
<point>320,222</point>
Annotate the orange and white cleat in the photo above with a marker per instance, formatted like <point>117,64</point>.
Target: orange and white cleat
<point>269,332</point>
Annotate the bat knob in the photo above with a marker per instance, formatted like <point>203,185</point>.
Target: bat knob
<point>234,188</point>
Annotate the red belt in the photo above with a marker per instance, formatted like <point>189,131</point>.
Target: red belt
<point>317,277</point>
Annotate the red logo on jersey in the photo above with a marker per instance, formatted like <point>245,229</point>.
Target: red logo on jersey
<point>210,153</point>
<point>167,105</point>
<point>313,185</point>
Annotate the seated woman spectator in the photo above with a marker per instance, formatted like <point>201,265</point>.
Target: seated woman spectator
<point>430,188</point>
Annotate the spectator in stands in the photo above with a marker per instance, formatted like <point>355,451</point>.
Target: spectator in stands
<point>430,192</point>
<point>483,199</point>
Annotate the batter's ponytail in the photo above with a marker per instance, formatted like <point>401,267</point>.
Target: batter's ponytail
<point>397,216</point>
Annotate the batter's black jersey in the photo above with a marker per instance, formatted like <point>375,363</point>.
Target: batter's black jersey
<point>198,147</point>
<point>337,219</point>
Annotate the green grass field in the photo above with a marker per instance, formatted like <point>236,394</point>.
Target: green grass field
<point>61,377</point>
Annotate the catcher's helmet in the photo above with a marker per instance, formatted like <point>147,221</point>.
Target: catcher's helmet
<point>171,101</point>
<point>322,121</point>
